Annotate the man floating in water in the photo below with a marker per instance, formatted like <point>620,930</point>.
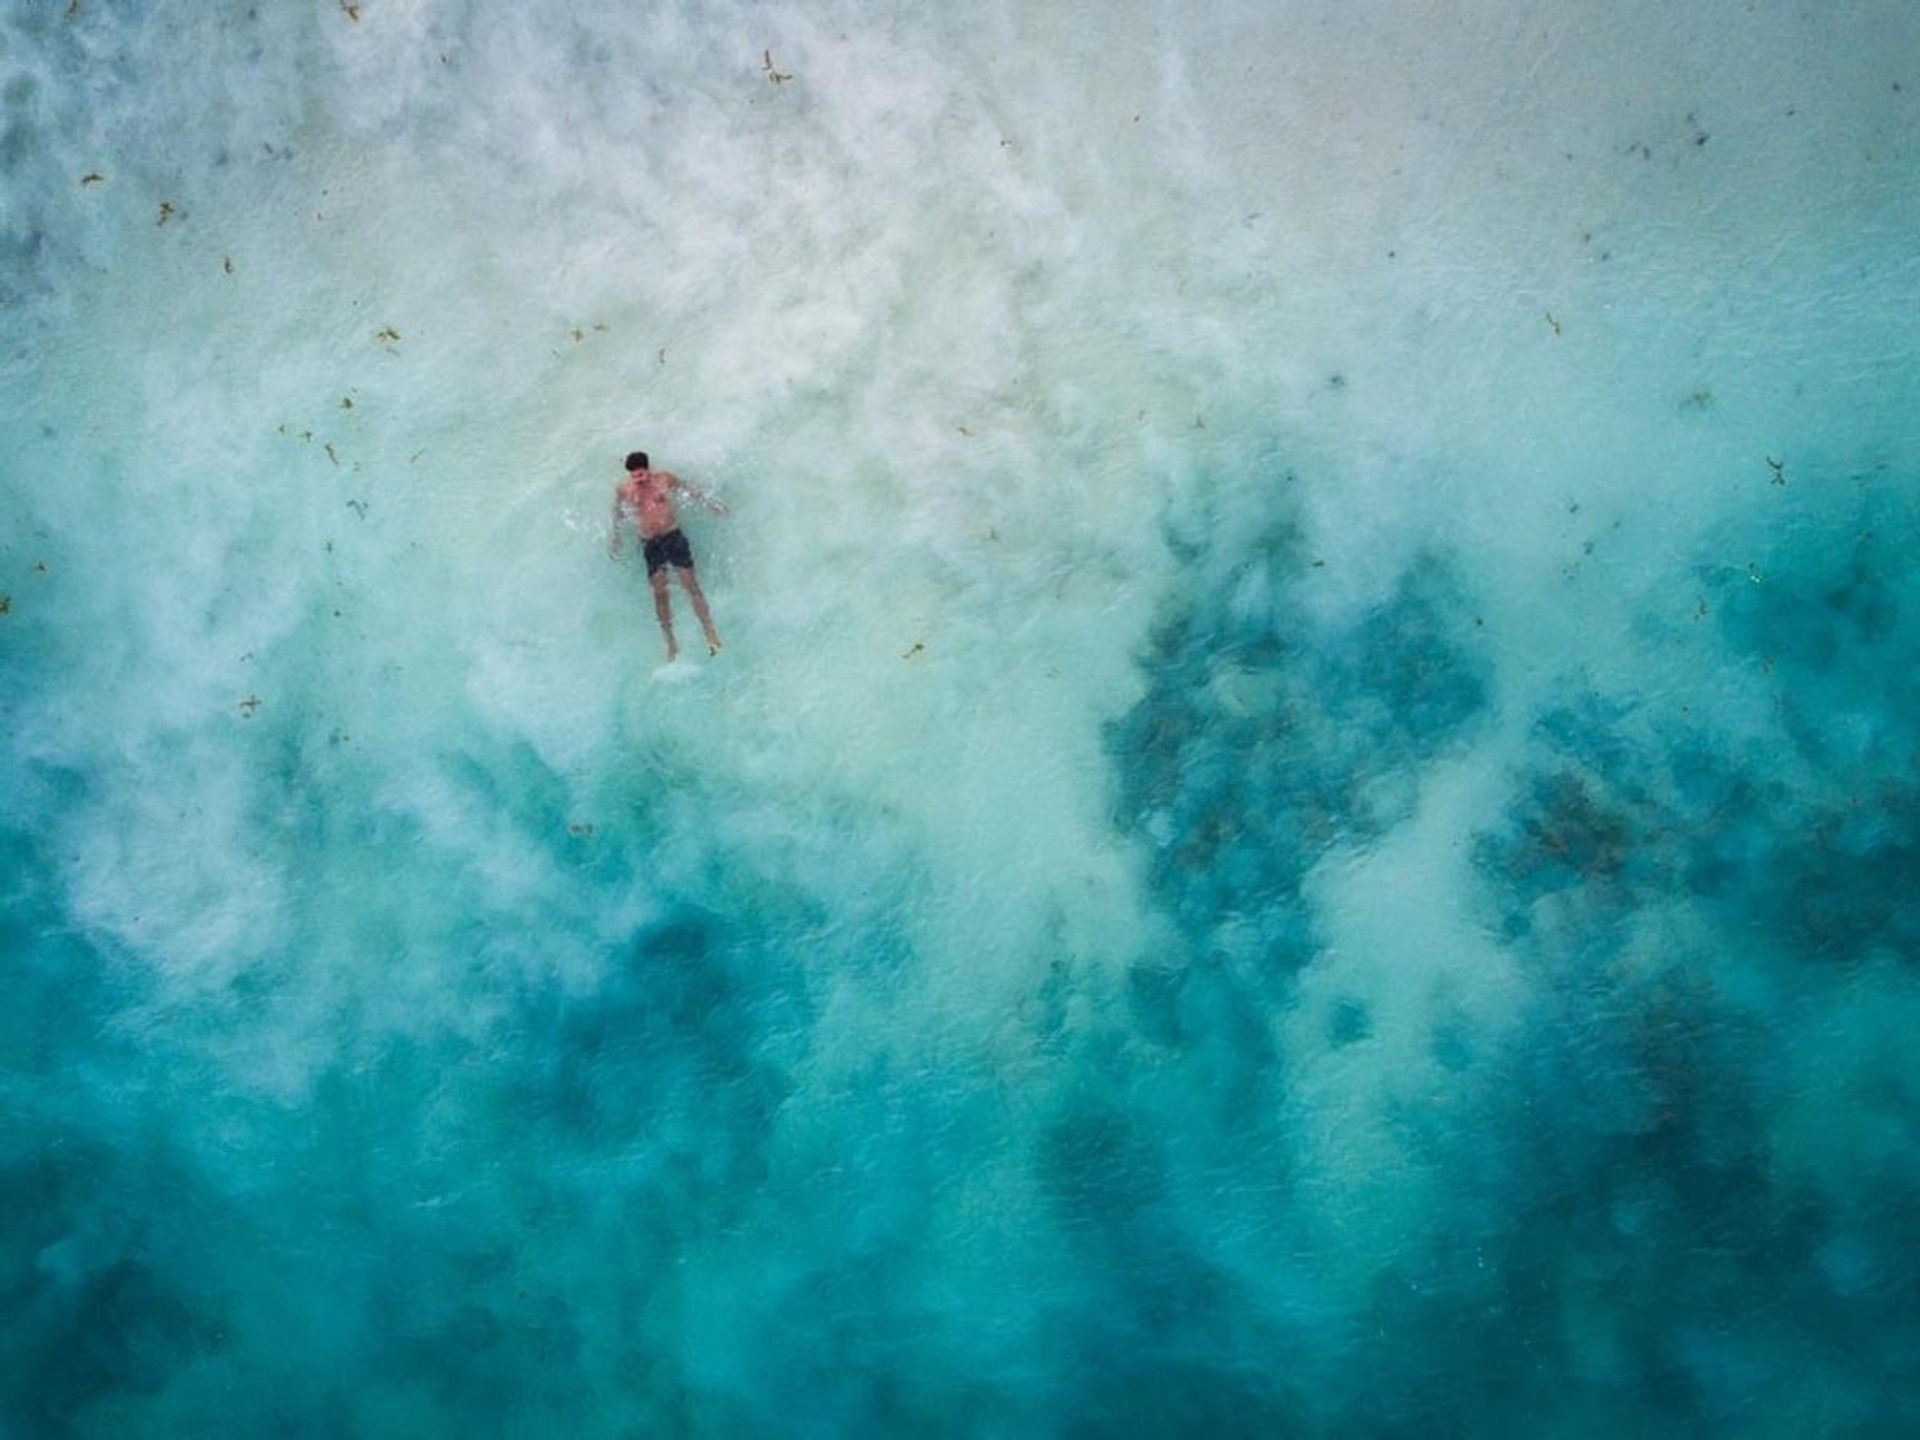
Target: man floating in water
<point>647,497</point>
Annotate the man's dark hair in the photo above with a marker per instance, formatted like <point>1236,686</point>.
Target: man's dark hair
<point>638,461</point>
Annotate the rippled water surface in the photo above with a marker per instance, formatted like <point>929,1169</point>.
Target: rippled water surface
<point>1309,825</point>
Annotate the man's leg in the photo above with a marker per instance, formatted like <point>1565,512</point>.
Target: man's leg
<point>663,607</point>
<point>692,582</point>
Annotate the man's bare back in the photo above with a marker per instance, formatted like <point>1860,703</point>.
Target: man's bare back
<point>645,499</point>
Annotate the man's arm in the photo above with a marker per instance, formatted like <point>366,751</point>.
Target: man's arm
<point>613,533</point>
<point>698,496</point>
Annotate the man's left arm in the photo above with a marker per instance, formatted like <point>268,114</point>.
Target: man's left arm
<point>695,494</point>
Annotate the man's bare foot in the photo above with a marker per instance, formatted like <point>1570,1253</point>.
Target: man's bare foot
<point>673,653</point>
<point>713,645</point>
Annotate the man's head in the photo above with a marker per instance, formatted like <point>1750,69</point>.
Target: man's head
<point>638,461</point>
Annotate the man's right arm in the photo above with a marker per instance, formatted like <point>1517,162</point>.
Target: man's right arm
<point>613,534</point>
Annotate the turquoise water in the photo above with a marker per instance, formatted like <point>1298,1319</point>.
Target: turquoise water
<point>1310,825</point>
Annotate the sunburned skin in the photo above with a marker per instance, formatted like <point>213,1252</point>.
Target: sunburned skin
<point>645,500</point>
<point>646,497</point>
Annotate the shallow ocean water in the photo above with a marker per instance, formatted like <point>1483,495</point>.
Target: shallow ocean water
<point>1310,824</point>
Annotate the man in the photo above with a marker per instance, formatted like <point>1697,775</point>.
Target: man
<point>647,496</point>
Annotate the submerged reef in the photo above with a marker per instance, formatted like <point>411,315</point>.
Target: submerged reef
<point>1623,1218</point>
<point>1266,735</point>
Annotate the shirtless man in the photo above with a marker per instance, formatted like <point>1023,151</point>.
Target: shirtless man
<point>647,497</point>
